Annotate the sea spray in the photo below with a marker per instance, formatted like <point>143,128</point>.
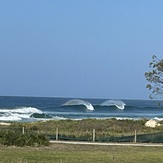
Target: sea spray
<point>118,103</point>
<point>74,102</point>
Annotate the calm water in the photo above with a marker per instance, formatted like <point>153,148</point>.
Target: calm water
<point>41,108</point>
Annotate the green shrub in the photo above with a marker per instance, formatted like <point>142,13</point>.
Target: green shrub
<point>10,138</point>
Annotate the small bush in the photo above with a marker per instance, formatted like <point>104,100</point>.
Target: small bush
<point>10,138</point>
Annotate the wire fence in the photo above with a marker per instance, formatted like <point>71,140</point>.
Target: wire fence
<point>136,138</point>
<point>142,138</point>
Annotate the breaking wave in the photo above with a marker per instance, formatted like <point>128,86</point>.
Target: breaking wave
<point>18,114</point>
<point>79,102</point>
<point>118,103</point>
<point>25,110</point>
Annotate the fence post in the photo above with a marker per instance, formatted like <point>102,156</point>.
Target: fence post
<point>23,130</point>
<point>135,138</point>
<point>57,134</point>
<point>94,135</point>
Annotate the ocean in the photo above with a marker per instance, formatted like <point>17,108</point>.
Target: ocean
<point>30,109</point>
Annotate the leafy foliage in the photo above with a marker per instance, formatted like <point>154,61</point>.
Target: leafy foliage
<point>10,138</point>
<point>155,77</point>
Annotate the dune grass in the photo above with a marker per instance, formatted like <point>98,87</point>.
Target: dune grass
<point>105,127</point>
<point>106,130</point>
<point>66,153</point>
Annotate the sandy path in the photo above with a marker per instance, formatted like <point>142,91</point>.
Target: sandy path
<point>115,144</point>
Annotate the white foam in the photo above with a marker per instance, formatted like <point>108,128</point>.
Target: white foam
<point>79,102</point>
<point>25,110</point>
<point>126,118</point>
<point>10,118</point>
<point>17,114</point>
<point>59,118</point>
<point>158,119</point>
<point>118,103</point>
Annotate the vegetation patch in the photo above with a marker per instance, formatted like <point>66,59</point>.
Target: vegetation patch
<point>108,130</point>
<point>11,138</point>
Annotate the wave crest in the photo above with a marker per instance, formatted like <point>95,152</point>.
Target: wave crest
<point>79,102</point>
<point>22,110</point>
<point>18,114</point>
<point>118,103</point>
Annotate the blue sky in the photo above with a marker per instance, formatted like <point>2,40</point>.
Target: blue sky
<point>78,48</point>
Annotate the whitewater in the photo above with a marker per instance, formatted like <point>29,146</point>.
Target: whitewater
<point>29,109</point>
